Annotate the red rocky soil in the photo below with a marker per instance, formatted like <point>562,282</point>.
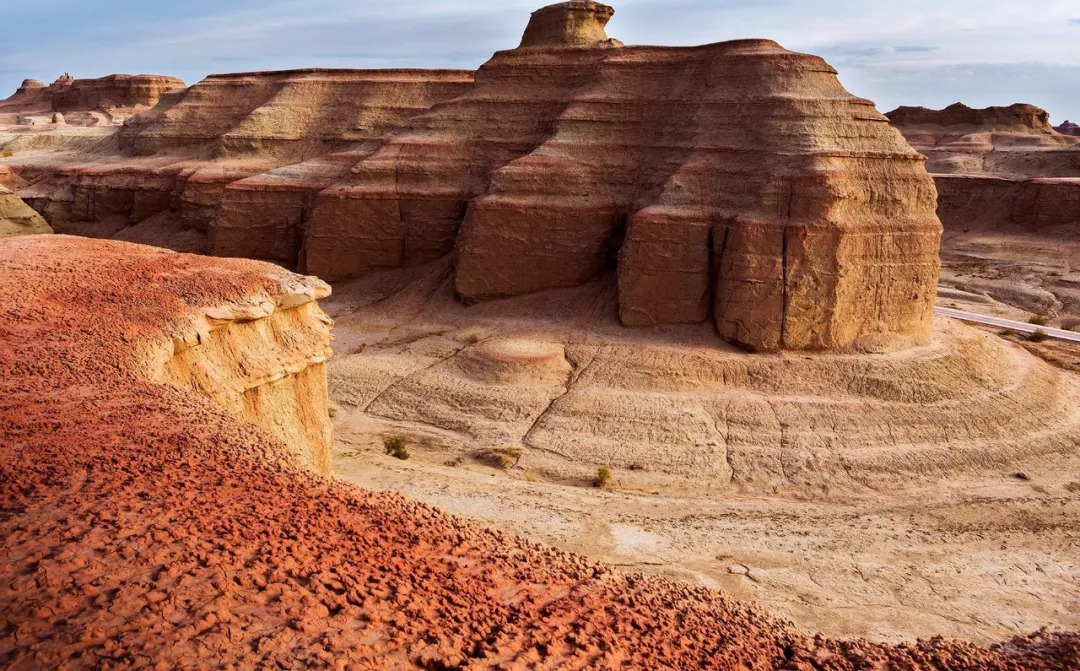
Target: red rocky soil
<point>143,526</point>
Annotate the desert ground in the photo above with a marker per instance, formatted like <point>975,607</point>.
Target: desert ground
<point>974,550</point>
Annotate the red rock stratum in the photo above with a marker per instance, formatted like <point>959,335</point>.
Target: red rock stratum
<point>144,522</point>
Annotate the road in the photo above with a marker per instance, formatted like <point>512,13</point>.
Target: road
<point>1019,327</point>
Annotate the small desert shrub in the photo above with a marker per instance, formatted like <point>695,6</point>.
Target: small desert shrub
<point>473,338</point>
<point>603,477</point>
<point>395,447</point>
<point>1038,320</point>
<point>636,466</point>
<point>1005,333</point>
<point>1069,327</point>
<point>500,457</point>
<point>1038,336</point>
<point>332,412</point>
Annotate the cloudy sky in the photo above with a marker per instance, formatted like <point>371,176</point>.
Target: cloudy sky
<point>918,52</point>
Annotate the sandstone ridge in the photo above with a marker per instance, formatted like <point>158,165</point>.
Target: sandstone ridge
<point>734,182</point>
<point>998,168</point>
<point>145,522</point>
<point>105,100</point>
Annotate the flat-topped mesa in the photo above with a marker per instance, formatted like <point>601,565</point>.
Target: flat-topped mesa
<point>113,91</point>
<point>1018,117</point>
<point>998,168</point>
<point>577,23</point>
<point>119,96</point>
<point>735,181</point>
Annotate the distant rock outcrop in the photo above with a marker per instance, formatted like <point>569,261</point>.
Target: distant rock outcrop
<point>1068,128</point>
<point>998,167</point>
<point>160,177</point>
<point>119,96</point>
<point>1018,117</point>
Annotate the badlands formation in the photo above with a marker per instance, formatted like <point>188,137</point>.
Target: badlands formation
<point>553,265</point>
<point>1009,198</point>
<point>157,512</point>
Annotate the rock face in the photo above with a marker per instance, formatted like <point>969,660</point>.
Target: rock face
<point>578,23</point>
<point>1018,117</point>
<point>119,96</point>
<point>737,180</point>
<point>159,179</point>
<point>998,167</point>
<point>1068,128</point>
<point>17,218</point>
<point>243,336</point>
<point>147,512</point>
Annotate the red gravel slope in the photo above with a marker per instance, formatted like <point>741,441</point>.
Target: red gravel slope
<point>143,526</point>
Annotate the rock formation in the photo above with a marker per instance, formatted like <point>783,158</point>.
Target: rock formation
<point>998,167</point>
<point>737,182</point>
<point>1068,128</point>
<point>160,177</point>
<point>146,522</point>
<point>117,96</point>
<point>17,218</point>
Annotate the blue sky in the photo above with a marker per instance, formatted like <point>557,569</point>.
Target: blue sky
<point>920,52</point>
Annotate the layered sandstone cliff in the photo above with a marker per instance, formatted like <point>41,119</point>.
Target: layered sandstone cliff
<point>145,521</point>
<point>1068,128</point>
<point>104,100</point>
<point>160,177</point>
<point>736,181</point>
<point>999,167</point>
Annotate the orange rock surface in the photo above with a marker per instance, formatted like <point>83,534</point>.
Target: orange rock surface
<point>144,523</point>
<point>737,181</point>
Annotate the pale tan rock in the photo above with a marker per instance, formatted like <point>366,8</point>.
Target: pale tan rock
<point>17,218</point>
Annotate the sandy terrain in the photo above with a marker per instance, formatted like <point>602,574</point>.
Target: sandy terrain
<point>964,545</point>
<point>1012,273</point>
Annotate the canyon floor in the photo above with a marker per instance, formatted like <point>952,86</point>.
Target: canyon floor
<point>961,544</point>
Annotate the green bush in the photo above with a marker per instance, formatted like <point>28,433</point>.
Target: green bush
<point>1038,336</point>
<point>395,447</point>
